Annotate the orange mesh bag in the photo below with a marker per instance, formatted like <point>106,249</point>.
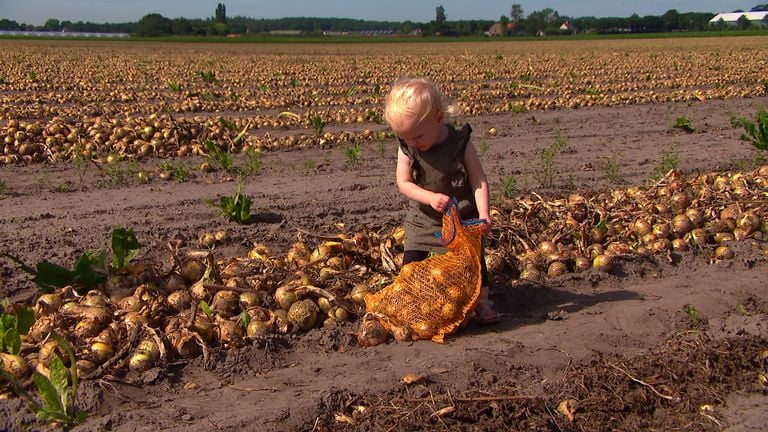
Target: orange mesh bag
<point>431,298</point>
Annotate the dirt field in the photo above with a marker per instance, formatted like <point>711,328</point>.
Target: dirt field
<point>618,346</point>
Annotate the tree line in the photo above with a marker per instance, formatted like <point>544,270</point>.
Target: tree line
<point>545,21</point>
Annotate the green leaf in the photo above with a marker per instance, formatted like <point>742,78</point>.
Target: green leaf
<point>11,341</point>
<point>125,247</point>
<point>205,308</point>
<point>59,381</point>
<point>50,276</point>
<point>25,317</point>
<point>244,319</point>
<point>48,394</point>
<point>90,270</point>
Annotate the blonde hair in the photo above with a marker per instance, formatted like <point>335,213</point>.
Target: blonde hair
<point>417,98</point>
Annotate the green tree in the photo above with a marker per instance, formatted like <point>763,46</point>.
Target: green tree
<point>154,25</point>
<point>181,26</point>
<point>671,19</point>
<point>504,30</point>
<point>516,13</point>
<point>440,19</point>
<point>542,20</point>
<point>221,13</point>
<point>52,25</point>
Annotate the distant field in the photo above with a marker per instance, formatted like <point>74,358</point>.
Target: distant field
<point>73,90</point>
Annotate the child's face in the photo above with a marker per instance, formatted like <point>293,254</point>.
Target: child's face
<point>421,135</point>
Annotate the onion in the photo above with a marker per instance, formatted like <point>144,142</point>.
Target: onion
<point>723,237</point>
<point>649,238</point>
<point>661,230</point>
<point>228,331</point>
<point>141,361</point>
<point>603,263</point>
<point>641,226</point>
<point>94,298</point>
<point>324,304</point>
<point>695,216</point>
<point>249,298</point>
<point>679,245</point>
<point>748,222</point>
<point>557,268</point>
<point>184,343</point>
<point>258,328</point>
<point>531,274</point>
<point>729,213</point>
<point>48,303</point>
<point>285,296</point>
<point>723,252</point>
<point>174,282</point>
<point>661,245</point>
<point>340,314</point>
<point>304,314</point>
<point>682,225</point>
<point>680,200</point>
<point>423,330</point>
<point>225,302</point>
<point>438,276</point>
<point>359,291</point>
<point>192,271</point>
<point>102,351</point>
<point>547,247</point>
<point>371,333</point>
<point>581,263</point>
<point>402,333</point>
<point>180,300</point>
<point>14,365</point>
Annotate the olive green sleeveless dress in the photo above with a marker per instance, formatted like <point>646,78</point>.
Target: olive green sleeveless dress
<point>439,169</point>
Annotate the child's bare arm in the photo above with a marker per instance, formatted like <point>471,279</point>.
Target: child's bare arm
<point>478,182</point>
<point>414,192</point>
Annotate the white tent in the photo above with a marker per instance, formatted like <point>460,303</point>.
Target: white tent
<point>731,18</point>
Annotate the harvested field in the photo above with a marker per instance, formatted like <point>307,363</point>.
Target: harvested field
<point>592,148</point>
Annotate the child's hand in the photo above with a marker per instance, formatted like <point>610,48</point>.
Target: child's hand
<point>439,202</point>
<point>485,228</point>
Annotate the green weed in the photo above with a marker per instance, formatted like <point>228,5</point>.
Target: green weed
<point>547,168</point>
<point>354,154</point>
<point>180,173</point>
<point>612,170</point>
<point>693,315</point>
<point>218,156</point>
<point>81,160</point>
<point>508,186</point>
<point>235,208</point>
<point>669,161</point>
<point>3,187</point>
<point>252,162</point>
<point>318,125</point>
<point>174,86</point>
<point>684,124</point>
<point>756,132</point>
<point>122,172</point>
<point>208,76</point>
<point>310,164</point>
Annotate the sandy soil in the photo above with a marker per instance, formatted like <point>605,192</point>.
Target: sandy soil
<point>618,344</point>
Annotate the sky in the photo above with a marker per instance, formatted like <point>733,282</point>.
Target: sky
<point>36,12</point>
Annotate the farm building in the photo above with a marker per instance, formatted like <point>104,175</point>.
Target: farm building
<point>497,29</point>
<point>731,19</point>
